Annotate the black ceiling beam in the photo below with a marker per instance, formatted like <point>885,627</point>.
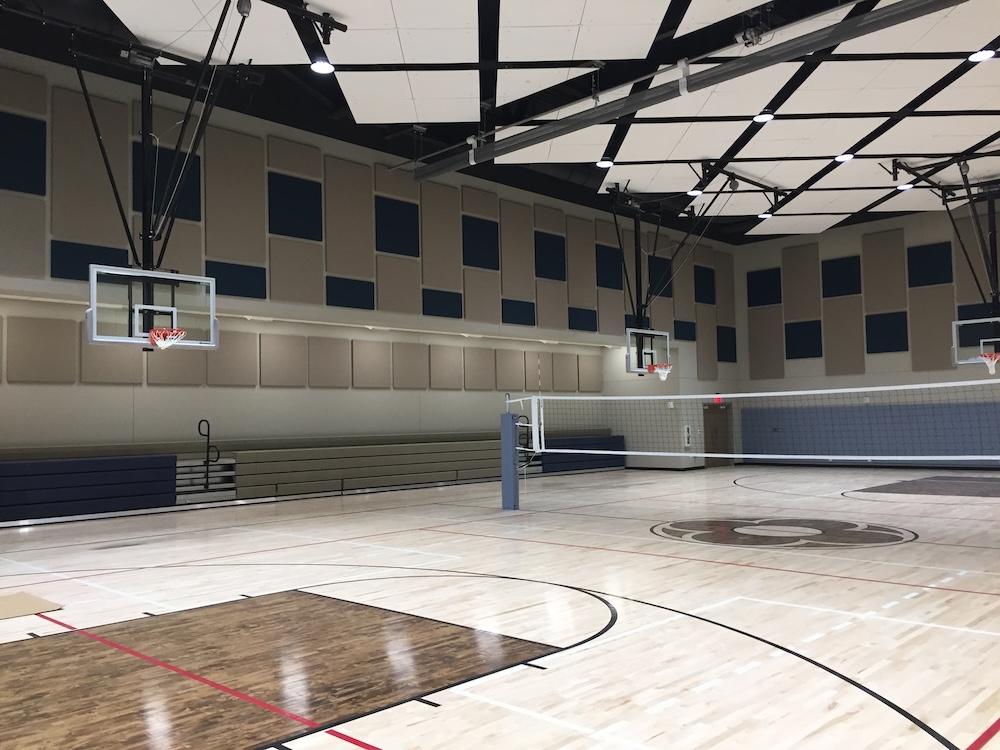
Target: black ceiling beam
<point>299,10</point>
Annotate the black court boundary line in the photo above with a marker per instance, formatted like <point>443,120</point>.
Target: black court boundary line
<point>426,702</point>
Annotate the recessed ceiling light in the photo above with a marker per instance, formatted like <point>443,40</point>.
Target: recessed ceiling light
<point>765,215</point>
<point>843,157</point>
<point>905,186</point>
<point>764,116</point>
<point>982,55</point>
<point>695,192</point>
<point>323,67</point>
<point>605,163</point>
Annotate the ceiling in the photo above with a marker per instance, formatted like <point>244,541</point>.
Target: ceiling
<point>417,77</point>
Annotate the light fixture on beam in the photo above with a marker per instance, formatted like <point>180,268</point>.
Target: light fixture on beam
<point>695,192</point>
<point>765,215</point>
<point>763,116</point>
<point>843,158</point>
<point>313,35</point>
<point>605,162</point>
<point>904,186</point>
<point>982,55</point>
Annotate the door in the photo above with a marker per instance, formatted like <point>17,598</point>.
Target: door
<point>717,434</point>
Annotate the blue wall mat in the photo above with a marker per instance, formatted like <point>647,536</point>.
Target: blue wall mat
<point>237,280</point>
<point>582,319</point>
<point>442,304</point>
<point>842,276</point>
<point>886,332</point>
<point>71,260</point>
<point>927,265</point>
<point>973,334</point>
<point>725,337</point>
<point>550,256</point>
<point>517,312</point>
<point>684,330</point>
<point>397,226</point>
<point>764,287</point>
<point>804,340</point>
<point>609,267</point>
<point>189,198</point>
<point>480,243</point>
<point>22,154</point>
<point>660,272</point>
<point>294,207</point>
<point>704,285</point>
<point>354,293</point>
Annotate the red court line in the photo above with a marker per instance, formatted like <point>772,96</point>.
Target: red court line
<point>714,562</point>
<point>210,683</point>
<point>989,734</point>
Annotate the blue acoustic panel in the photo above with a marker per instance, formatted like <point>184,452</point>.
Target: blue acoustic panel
<point>887,332</point>
<point>517,312</point>
<point>661,283</point>
<point>764,287</point>
<point>804,340</point>
<point>927,265</point>
<point>609,267</point>
<point>72,260</point>
<point>442,304</point>
<point>842,276</point>
<point>354,293</point>
<point>189,196</point>
<point>22,154</point>
<point>480,243</point>
<point>634,321</point>
<point>684,330</point>
<point>550,256</point>
<point>397,227</point>
<point>973,334</point>
<point>704,285</point>
<point>725,337</point>
<point>237,280</point>
<point>582,319</point>
<point>294,207</point>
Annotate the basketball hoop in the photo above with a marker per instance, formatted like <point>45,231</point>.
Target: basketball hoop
<point>164,338</point>
<point>661,370</point>
<point>991,359</point>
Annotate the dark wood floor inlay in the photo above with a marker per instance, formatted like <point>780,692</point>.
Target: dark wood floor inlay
<point>801,533</point>
<point>943,485</point>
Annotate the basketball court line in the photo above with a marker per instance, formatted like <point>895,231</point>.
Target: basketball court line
<point>362,544</point>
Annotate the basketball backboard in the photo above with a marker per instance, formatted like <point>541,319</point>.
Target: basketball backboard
<point>125,303</point>
<point>970,339</point>
<point>644,348</point>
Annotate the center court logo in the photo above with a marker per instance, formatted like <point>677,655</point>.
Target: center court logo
<point>800,533</point>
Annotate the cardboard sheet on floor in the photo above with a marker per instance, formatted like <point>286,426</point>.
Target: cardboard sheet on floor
<point>21,605</point>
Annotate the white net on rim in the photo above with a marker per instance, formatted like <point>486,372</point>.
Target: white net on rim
<point>164,338</point>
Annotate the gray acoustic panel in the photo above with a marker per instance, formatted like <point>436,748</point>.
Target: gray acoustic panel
<point>350,219</point>
<point>480,369</point>
<point>296,272</point>
<point>661,314</point>
<point>766,328</point>
<point>606,234</point>
<point>551,309</point>
<point>683,289</point>
<point>23,92</point>
<point>396,183</point>
<point>441,237</point>
<point>707,343</point>
<point>284,360</point>
<point>611,312</point>
<point>800,283</point>
<point>397,285</point>
<point>517,251</point>
<point>1,350</point>
<point>108,364</point>
<point>372,364</point>
<point>42,350</point>
<point>550,220</point>
<point>581,264</point>
<point>176,367</point>
<point>22,236</point>
<point>297,158</point>
<point>628,238</point>
<point>480,203</point>
<point>447,371</point>
<point>510,370</point>
<point>184,253</point>
<point>883,271</point>
<point>411,366</point>
<point>565,372</point>
<point>966,290</point>
<point>537,372</point>
<point>164,121</point>
<point>482,295</point>
<point>704,255</point>
<point>330,363</point>
<point>843,336</point>
<point>236,360</point>
<point>591,373</point>
<point>235,197</point>
<point>932,309</point>
<point>725,289</point>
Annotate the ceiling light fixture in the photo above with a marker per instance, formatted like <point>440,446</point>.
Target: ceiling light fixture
<point>982,55</point>
<point>843,158</point>
<point>905,186</point>
<point>322,66</point>
<point>764,116</point>
<point>605,163</point>
<point>765,215</point>
<point>695,192</point>
<point>314,34</point>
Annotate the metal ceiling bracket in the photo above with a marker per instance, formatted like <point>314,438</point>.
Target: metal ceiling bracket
<point>685,69</point>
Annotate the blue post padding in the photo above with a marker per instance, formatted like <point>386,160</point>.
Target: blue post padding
<point>510,491</point>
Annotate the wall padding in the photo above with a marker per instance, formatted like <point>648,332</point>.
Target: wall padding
<point>236,360</point>
<point>177,367</point>
<point>661,314</point>
<point>396,183</point>
<point>441,236</point>
<point>482,295</point>
<point>591,373</point>
<point>480,203</point>
<point>537,372</point>
<point>510,370</point>
<point>42,350</point>
<point>411,366</point>
<point>109,364</point>
<point>480,369</point>
<point>843,336</point>
<point>611,312</point>
<point>398,286</point>
<point>296,273</point>
<point>767,342</point>
<point>447,372</point>
<point>932,308</point>
<point>565,372</point>
<point>23,92</point>
<point>22,236</point>
<point>800,281</point>
<point>550,220</point>
<point>296,158</point>
<point>965,283</point>
<point>235,197</point>
<point>517,245</point>
<point>284,360</point>
<point>725,289</point>
<point>184,253</point>
<point>372,364</point>
<point>707,342</point>
<point>684,291</point>
<point>551,310</point>
<point>605,233</point>
<point>883,271</point>
<point>581,265</point>
<point>329,363</point>
<point>350,219</point>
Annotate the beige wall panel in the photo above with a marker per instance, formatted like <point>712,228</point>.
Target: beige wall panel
<point>565,373</point>
<point>628,238</point>
<point>510,370</point>
<point>517,251</point>
<point>766,329</point>
<point>800,282</point>
<point>447,372</point>
<point>372,364</point>
<point>350,219</point>
<point>235,361</point>
<point>184,253</point>
<point>551,310</point>
<point>83,205</point>
<point>480,203</point>
<point>235,197</point>
<point>109,364</point>
<point>605,233</point>
<point>883,271</point>
<point>611,312</point>
<point>704,256</point>
<point>176,367</point>
<point>398,286</point>
<point>23,246</point>
<point>297,158</point>
<point>581,264</point>
<point>707,344</point>
<point>329,363</point>
<point>591,373</point>
<point>537,372</point>
<point>23,92</point>
<point>284,360</point>
<point>965,283</point>
<point>482,295</point>
<point>42,350</point>
<point>398,183</point>
<point>844,336</point>
<point>725,289</point>
<point>550,220</point>
<point>1,351</point>
<point>480,369</point>
<point>661,314</point>
<point>296,272</point>
<point>684,291</point>
<point>164,121</point>
<point>441,237</point>
<point>411,366</point>
<point>932,309</point>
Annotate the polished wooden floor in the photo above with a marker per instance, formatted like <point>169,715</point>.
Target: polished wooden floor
<point>742,607</point>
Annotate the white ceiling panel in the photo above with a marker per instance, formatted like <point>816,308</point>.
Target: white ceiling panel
<point>526,13</point>
<point>519,83</point>
<point>371,14</point>
<point>832,201</point>
<point>918,199</point>
<point>441,84</point>
<point>537,43</point>
<point>820,138</point>
<point>587,104</point>
<point>379,97</point>
<point>796,224</point>
<point>364,47</point>
<point>614,42</point>
<point>585,145</point>
<point>786,175</point>
<point>746,95</point>
<point>433,14</point>
<point>941,135</point>
<point>706,140</point>
<point>702,13</point>
<point>858,172</point>
<point>977,89</point>
<point>651,142</point>
<point>447,110</point>
<point>740,203</point>
<point>963,28</point>
<point>439,45</point>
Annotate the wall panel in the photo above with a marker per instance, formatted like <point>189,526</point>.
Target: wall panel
<point>330,363</point>
<point>23,92</point>
<point>932,308</point>
<point>480,369</point>
<point>236,361</point>
<point>591,373</point>
<point>684,304</point>
<point>708,344</point>
<point>109,364</point>
<point>551,309</point>
<point>296,158</point>
<point>22,236</point>
<point>482,295</point>
<point>611,312</point>
<point>581,266</point>
<point>372,364</point>
<point>843,336</point>
<point>42,350</point>
<point>284,360</point>
<point>800,280</point>
<point>883,271</point>
<point>767,343</point>
<point>537,372</point>
<point>184,253</point>
<point>565,372</point>
<point>411,366</point>
<point>517,251</point>
<point>480,203</point>
<point>350,219</point>
<point>235,202</point>
<point>296,273</point>
<point>447,371</point>
<point>510,370</point>
<point>177,367</point>
<point>396,183</point>
<point>441,236</point>
<point>725,289</point>
<point>965,279</point>
<point>550,220</point>
<point>398,284</point>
